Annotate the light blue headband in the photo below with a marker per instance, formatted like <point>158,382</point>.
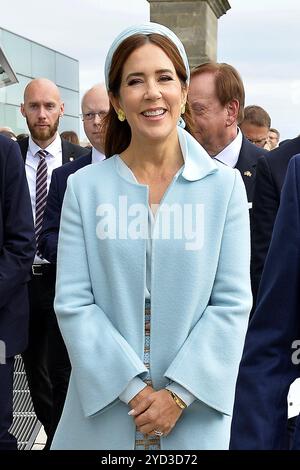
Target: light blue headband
<point>145,28</point>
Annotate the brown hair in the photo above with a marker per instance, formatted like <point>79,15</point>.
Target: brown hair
<point>228,82</point>
<point>118,134</point>
<point>9,134</point>
<point>272,129</point>
<point>70,136</point>
<point>257,116</point>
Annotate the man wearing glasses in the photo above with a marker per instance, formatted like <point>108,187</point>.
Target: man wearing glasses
<point>95,105</point>
<point>256,126</point>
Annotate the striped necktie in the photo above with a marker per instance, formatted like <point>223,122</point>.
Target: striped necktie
<point>41,191</point>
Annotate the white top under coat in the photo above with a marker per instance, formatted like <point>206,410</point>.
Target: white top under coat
<point>136,384</point>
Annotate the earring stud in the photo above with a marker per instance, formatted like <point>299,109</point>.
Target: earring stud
<point>121,115</point>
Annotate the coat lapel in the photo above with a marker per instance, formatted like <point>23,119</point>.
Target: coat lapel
<point>197,162</point>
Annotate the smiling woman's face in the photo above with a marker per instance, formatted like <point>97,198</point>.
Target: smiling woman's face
<point>151,94</point>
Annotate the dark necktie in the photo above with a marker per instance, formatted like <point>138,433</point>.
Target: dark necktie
<point>41,192</point>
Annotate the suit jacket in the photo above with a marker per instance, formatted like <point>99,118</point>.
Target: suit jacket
<point>69,151</point>
<point>271,356</point>
<point>49,235</point>
<point>100,300</point>
<point>246,164</point>
<point>270,174</point>
<point>17,247</point>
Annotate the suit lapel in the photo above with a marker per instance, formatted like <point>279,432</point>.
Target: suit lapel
<point>23,144</point>
<point>246,164</point>
<point>67,152</point>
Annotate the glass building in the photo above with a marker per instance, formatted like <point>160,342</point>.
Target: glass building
<point>22,60</point>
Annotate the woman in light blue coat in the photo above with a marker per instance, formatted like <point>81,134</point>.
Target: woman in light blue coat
<point>153,290</point>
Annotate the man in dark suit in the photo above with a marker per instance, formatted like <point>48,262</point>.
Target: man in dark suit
<point>256,126</point>
<point>216,97</point>
<point>270,174</point>
<point>271,358</point>
<point>17,248</point>
<point>95,105</point>
<point>43,151</point>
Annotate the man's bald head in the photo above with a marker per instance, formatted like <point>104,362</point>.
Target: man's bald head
<point>95,105</point>
<point>42,109</point>
<point>41,84</point>
<point>99,92</point>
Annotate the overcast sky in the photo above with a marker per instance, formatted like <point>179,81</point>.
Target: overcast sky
<point>259,37</point>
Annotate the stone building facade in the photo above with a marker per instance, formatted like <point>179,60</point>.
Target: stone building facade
<point>194,21</point>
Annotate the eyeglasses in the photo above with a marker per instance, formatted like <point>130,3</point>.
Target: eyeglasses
<point>260,142</point>
<point>91,116</point>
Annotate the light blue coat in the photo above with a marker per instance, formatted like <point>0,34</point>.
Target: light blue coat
<point>200,301</point>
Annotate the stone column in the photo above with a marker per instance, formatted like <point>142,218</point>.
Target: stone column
<point>194,21</point>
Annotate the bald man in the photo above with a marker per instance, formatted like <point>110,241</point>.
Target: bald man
<point>42,109</point>
<point>95,105</point>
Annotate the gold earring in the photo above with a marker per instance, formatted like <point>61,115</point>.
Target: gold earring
<point>182,111</point>
<point>121,115</point>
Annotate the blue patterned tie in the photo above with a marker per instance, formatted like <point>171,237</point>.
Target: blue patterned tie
<point>41,192</point>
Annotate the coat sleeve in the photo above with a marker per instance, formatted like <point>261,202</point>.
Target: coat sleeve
<point>267,367</point>
<point>48,238</point>
<point>265,206</point>
<point>103,363</point>
<point>18,249</point>
<point>207,364</point>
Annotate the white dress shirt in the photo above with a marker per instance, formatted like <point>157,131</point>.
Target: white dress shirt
<point>230,154</point>
<point>53,160</point>
<point>97,156</point>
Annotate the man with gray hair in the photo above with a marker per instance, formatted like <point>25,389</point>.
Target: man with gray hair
<point>95,106</point>
<point>273,138</point>
<point>216,97</point>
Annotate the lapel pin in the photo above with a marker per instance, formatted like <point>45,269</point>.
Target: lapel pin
<point>247,173</point>
<point>71,159</point>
